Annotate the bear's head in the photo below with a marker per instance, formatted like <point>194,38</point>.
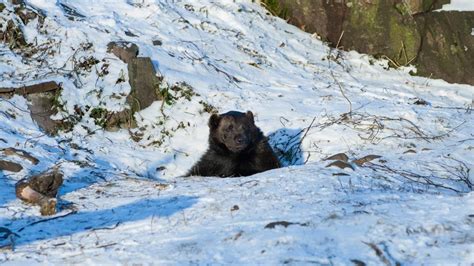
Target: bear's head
<point>234,130</point>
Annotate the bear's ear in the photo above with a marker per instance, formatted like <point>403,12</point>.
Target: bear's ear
<point>249,115</point>
<point>214,121</point>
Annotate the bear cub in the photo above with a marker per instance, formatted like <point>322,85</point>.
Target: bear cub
<point>237,147</point>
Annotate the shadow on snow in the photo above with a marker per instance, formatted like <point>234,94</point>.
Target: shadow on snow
<point>286,143</point>
<point>31,229</point>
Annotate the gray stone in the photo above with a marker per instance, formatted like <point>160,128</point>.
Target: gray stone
<point>447,50</point>
<point>143,83</point>
<point>41,107</point>
<point>126,51</point>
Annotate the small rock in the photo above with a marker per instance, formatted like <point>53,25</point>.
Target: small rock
<point>120,120</point>
<point>126,51</point>
<point>421,102</point>
<point>409,151</point>
<point>130,34</point>
<point>143,83</point>
<point>41,107</point>
<point>10,166</point>
<point>157,42</point>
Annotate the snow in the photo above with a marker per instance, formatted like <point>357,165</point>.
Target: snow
<point>459,5</point>
<point>123,202</point>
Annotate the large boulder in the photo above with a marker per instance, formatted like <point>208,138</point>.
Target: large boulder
<point>125,51</point>
<point>404,32</point>
<point>447,50</point>
<point>143,82</point>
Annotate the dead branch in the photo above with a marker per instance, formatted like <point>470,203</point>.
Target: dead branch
<point>47,220</point>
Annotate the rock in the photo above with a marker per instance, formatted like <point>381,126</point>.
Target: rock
<point>21,153</point>
<point>379,27</point>
<point>41,107</point>
<point>447,50</point>
<point>126,51</point>
<point>143,82</point>
<point>43,104</point>
<point>120,120</point>
<point>10,166</point>
<point>422,6</point>
<point>2,7</point>
<point>439,44</point>
<point>130,34</point>
<point>157,42</point>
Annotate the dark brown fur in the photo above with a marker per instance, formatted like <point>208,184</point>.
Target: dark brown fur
<point>237,147</point>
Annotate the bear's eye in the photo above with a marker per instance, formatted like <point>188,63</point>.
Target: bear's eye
<point>229,128</point>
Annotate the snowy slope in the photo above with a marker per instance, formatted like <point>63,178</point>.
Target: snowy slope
<point>123,202</point>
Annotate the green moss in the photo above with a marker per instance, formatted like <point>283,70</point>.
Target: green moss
<point>365,15</point>
<point>403,9</point>
<point>100,116</point>
<point>389,29</point>
<point>404,41</point>
<point>277,8</point>
<point>2,7</point>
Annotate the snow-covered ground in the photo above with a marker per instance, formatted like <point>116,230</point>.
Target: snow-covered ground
<point>123,202</point>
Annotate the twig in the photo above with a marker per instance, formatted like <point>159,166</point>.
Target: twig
<point>339,41</point>
<point>47,220</point>
<point>379,253</point>
<point>107,228</point>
